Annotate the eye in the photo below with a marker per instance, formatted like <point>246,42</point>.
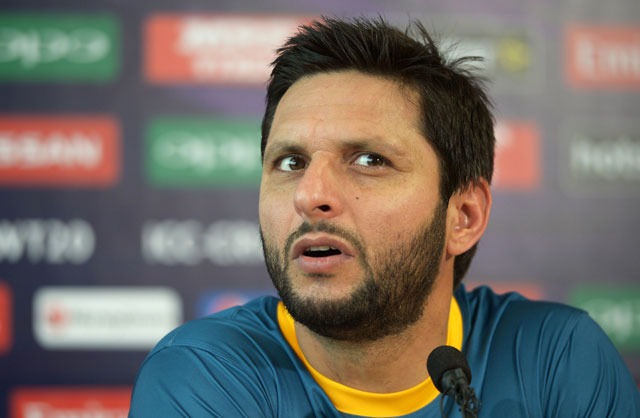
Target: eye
<point>290,163</point>
<point>370,160</point>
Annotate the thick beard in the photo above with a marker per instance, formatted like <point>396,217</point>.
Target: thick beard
<point>390,297</point>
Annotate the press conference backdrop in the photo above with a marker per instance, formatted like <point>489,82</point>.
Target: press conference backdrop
<point>130,165</point>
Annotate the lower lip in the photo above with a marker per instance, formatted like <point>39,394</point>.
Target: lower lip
<point>322,264</point>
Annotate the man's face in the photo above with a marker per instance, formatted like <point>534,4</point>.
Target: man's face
<point>352,224</point>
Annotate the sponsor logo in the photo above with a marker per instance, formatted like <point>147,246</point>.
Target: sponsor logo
<point>59,151</point>
<point>517,159</point>
<point>603,56</point>
<point>213,302</point>
<point>191,152</point>
<point>616,310</point>
<point>189,242</point>
<point>507,57</point>
<point>529,290</point>
<point>104,317</point>
<point>79,402</point>
<point>50,241</point>
<point>6,320</point>
<point>58,47</point>
<point>213,48</point>
<point>609,158</point>
<point>610,163</point>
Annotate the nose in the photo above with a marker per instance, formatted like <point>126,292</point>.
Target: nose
<point>318,193</point>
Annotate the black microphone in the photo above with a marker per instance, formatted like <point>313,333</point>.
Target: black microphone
<point>451,375</point>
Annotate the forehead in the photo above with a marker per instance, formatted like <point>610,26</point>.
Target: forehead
<point>346,105</point>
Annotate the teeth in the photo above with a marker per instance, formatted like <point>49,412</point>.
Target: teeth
<point>321,248</point>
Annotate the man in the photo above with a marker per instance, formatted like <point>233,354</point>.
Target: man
<point>377,158</point>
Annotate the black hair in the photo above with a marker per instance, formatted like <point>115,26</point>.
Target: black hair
<point>454,108</point>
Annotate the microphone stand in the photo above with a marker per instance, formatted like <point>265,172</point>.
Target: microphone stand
<point>464,395</point>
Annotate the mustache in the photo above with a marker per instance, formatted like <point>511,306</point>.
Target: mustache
<point>306,228</point>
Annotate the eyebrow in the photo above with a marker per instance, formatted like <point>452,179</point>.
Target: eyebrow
<point>282,148</point>
<point>375,144</point>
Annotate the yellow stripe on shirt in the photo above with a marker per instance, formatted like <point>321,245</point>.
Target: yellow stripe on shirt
<point>358,402</point>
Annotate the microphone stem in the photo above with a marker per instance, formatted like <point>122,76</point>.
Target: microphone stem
<point>465,397</point>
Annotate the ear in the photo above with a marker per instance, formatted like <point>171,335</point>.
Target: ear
<point>467,217</point>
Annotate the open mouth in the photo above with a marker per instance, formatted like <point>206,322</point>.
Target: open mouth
<point>321,251</point>
<point>322,254</point>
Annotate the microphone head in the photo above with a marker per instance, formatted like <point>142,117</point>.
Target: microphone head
<point>446,358</point>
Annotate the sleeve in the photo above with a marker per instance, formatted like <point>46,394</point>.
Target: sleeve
<point>589,378</point>
<point>184,381</point>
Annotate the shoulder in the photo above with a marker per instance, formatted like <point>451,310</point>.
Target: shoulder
<point>533,353</point>
<point>255,318</point>
<point>228,360</point>
<point>232,329</point>
<point>514,325</point>
<point>487,312</point>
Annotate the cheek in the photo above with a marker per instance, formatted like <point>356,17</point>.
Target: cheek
<point>274,218</point>
<point>394,218</point>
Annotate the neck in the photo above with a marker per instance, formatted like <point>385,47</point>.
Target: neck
<point>390,364</point>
